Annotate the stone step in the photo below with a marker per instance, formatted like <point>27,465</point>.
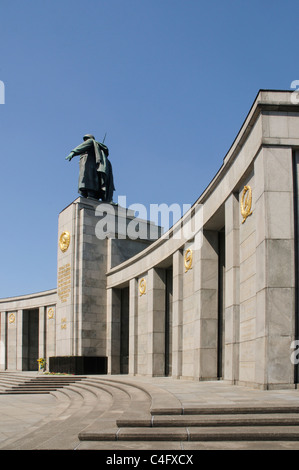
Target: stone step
<point>125,399</point>
<point>12,380</point>
<point>15,374</point>
<point>72,394</point>
<point>224,409</point>
<point>26,385</point>
<point>21,392</point>
<point>237,409</point>
<point>162,401</point>
<point>244,433</point>
<point>60,377</point>
<point>54,379</point>
<point>238,433</point>
<point>57,379</point>
<point>31,389</point>
<point>39,385</point>
<point>264,419</point>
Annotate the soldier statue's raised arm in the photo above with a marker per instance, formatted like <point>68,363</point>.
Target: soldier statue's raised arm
<point>95,170</point>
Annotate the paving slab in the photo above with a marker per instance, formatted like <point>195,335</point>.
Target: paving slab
<point>19,414</point>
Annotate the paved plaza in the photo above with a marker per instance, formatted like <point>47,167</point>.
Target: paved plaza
<point>50,422</point>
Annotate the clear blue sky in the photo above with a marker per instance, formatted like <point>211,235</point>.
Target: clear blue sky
<point>170,81</point>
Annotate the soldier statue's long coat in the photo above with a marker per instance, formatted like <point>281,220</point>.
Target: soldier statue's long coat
<point>95,169</point>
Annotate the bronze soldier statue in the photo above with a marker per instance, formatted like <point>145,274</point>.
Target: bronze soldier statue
<point>95,174</point>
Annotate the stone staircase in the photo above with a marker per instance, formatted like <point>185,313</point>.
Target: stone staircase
<point>162,418</point>
<point>16,384</point>
<point>100,412</point>
<point>77,405</point>
<point>215,425</point>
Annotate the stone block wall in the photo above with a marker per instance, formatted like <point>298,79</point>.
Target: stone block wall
<point>275,266</point>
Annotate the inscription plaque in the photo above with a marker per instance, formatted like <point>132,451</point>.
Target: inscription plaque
<point>64,282</point>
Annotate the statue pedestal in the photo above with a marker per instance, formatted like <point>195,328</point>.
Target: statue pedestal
<point>92,237</point>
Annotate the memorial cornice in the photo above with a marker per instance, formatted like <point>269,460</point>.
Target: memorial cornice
<point>266,102</point>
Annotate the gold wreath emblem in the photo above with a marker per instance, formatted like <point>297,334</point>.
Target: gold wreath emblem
<point>11,318</point>
<point>246,201</point>
<point>51,313</point>
<point>142,286</point>
<point>64,241</point>
<point>188,259</point>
